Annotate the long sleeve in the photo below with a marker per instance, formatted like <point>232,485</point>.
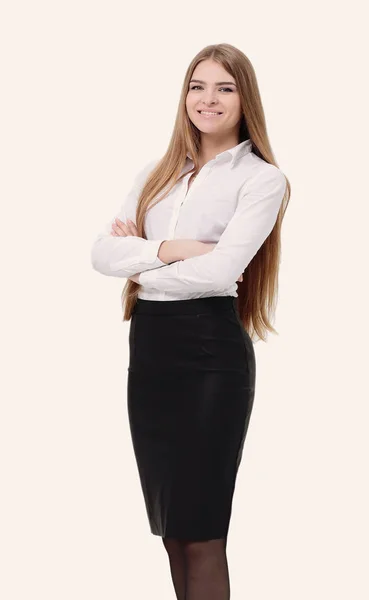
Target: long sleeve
<point>125,256</point>
<point>255,216</point>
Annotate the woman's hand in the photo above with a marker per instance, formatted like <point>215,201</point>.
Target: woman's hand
<point>120,229</point>
<point>135,277</point>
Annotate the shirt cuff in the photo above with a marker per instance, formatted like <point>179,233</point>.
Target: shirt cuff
<point>147,277</point>
<point>150,253</point>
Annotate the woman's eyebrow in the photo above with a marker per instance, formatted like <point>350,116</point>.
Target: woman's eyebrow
<point>216,83</point>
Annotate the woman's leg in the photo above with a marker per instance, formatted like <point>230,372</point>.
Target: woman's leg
<point>177,566</point>
<point>206,570</point>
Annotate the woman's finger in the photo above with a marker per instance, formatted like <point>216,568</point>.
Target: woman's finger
<point>125,226</point>
<point>132,227</point>
<point>121,227</point>
<point>118,231</point>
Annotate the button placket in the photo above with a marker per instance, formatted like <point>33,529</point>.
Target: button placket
<point>186,192</point>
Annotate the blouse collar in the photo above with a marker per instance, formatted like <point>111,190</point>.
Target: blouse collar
<point>234,153</point>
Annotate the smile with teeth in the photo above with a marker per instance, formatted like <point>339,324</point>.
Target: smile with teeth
<point>209,114</point>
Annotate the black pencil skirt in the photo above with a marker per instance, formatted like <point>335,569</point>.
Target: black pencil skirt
<point>190,392</point>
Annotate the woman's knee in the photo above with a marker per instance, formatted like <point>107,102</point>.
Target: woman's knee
<point>198,551</point>
<point>173,546</point>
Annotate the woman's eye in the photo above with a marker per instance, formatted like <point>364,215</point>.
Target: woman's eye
<point>199,86</point>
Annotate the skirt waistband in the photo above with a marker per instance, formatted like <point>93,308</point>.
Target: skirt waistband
<point>210,304</point>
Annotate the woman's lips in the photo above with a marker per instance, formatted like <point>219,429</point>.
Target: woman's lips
<point>209,116</point>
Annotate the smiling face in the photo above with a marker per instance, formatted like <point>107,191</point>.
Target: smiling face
<point>213,89</point>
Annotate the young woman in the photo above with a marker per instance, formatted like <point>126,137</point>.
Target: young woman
<point>201,264</point>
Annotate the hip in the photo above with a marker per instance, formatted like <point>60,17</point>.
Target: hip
<point>203,334</point>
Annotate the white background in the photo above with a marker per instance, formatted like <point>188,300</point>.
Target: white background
<point>89,94</point>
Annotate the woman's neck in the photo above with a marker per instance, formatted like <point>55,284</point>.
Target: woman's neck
<point>210,148</point>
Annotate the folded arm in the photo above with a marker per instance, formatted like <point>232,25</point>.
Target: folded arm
<point>124,256</point>
<point>252,222</point>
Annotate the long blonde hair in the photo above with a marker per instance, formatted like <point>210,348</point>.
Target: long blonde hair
<point>257,293</point>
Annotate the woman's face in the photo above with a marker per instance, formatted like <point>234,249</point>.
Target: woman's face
<point>215,91</point>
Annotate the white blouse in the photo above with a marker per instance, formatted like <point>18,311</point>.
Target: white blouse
<point>233,202</point>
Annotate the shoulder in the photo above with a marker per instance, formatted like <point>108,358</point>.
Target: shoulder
<point>263,177</point>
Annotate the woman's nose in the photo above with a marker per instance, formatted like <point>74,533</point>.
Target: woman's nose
<point>209,99</point>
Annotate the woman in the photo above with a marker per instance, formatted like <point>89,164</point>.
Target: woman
<point>202,269</point>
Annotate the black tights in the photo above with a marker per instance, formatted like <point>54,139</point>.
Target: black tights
<point>199,569</point>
